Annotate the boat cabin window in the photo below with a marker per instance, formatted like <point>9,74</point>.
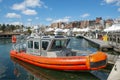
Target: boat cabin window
<point>30,44</point>
<point>45,44</point>
<point>58,44</point>
<point>36,45</point>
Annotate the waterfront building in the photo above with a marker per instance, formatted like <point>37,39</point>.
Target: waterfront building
<point>98,24</point>
<point>108,23</point>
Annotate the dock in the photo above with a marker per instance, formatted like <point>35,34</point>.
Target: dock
<point>112,58</point>
<point>116,46</point>
<point>8,35</point>
<point>102,44</point>
<point>115,73</point>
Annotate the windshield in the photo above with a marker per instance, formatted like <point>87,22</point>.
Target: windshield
<point>58,44</point>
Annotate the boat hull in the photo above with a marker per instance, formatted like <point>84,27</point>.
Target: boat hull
<point>72,63</point>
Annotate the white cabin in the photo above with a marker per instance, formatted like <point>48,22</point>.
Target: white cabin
<point>46,45</point>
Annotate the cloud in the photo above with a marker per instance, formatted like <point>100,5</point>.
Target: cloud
<point>26,5</point>
<point>16,23</point>
<point>19,6</point>
<point>36,18</point>
<point>85,15</point>
<point>33,3</point>
<point>65,19</point>
<point>110,1</point>
<point>13,15</point>
<point>119,9</point>
<point>0,0</point>
<point>45,6</point>
<point>49,19</point>
<point>29,20</point>
<point>29,12</point>
<point>102,3</point>
<point>116,2</point>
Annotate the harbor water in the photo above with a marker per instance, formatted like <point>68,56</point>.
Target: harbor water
<point>11,69</point>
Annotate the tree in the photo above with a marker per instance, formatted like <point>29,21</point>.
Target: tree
<point>29,31</point>
<point>0,26</point>
<point>12,27</point>
<point>3,27</point>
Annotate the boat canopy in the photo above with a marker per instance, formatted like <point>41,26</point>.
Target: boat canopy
<point>38,45</point>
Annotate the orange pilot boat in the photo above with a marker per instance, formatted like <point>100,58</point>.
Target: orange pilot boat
<point>51,52</point>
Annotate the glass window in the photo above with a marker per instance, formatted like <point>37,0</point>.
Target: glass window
<point>36,45</point>
<point>45,44</point>
<point>30,44</point>
<point>58,44</point>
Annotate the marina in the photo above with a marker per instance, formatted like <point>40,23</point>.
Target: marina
<point>59,40</point>
<point>87,47</point>
<point>73,43</point>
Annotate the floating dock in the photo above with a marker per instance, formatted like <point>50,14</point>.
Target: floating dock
<point>115,73</point>
<point>8,35</point>
<point>115,45</point>
<point>102,44</point>
<point>112,58</point>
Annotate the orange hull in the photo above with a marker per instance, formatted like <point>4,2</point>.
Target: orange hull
<point>91,62</point>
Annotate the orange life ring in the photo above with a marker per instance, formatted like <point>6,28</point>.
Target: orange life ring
<point>14,39</point>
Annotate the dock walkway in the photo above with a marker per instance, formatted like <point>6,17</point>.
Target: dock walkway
<point>115,73</point>
<point>116,46</point>
<point>102,44</point>
<point>8,35</point>
<point>112,58</point>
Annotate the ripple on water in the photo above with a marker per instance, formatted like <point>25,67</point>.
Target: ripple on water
<point>2,70</point>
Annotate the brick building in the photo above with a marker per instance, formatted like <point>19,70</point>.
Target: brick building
<point>98,23</point>
<point>109,22</point>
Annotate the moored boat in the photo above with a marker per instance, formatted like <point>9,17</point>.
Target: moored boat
<point>51,52</point>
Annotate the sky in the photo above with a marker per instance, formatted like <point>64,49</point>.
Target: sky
<point>36,12</point>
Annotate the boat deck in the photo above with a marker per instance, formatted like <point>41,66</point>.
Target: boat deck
<point>102,44</point>
<point>65,53</point>
<point>114,75</point>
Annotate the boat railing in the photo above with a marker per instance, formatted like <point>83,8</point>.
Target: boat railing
<point>19,47</point>
<point>20,44</point>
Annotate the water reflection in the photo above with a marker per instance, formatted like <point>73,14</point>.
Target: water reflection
<point>2,70</point>
<point>33,72</point>
<point>37,73</point>
<point>4,41</point>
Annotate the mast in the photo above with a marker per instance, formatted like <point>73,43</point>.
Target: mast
<point>40,43</point>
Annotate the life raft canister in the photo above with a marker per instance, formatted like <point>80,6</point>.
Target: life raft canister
<point>14,39</point>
